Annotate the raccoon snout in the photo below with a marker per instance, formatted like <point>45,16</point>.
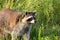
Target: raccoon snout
<point>33,21</point>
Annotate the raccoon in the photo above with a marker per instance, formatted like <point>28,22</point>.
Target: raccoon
<point>16,23</point>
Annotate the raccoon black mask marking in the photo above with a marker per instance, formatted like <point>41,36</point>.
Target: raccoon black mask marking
<point>30,17</point>
<point>16,23</point>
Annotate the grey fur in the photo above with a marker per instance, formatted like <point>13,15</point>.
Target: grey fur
<point>15,23</point>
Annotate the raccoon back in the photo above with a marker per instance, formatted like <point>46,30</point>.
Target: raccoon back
<point>8,19</point>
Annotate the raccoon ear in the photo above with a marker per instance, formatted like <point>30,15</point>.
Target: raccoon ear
<point>26,13</point>
<point>34,13</point>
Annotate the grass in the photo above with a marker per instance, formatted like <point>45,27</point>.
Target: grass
<point>47,26</point>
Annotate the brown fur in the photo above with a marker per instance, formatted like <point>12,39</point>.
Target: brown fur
<point>14,23</point>
<point>8,19</point>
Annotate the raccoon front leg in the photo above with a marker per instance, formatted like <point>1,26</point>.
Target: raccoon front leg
<point>13,37</point>
<point>27,36</point>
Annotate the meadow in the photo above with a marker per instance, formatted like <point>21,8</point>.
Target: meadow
<point>47,26</point>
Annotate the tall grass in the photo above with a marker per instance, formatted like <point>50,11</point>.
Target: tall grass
<point>47,26</point>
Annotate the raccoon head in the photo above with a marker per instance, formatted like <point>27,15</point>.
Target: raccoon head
<point>29,18</point>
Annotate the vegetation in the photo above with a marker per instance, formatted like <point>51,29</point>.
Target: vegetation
<point>47,26</point>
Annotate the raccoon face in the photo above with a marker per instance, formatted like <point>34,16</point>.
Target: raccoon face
<point>29,18</point>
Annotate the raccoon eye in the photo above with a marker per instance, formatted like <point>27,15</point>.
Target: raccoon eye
<point>29,19</point>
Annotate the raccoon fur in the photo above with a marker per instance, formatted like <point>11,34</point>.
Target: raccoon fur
<point>16,23</point>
